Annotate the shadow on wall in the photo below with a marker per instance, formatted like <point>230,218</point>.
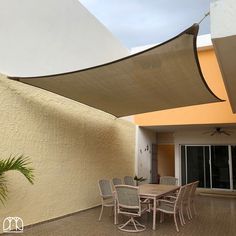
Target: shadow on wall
<point>56,120</point>
<point>71,146</point>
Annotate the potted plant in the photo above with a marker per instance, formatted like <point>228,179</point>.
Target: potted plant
<point>17,163</point>
<point>138,179</point>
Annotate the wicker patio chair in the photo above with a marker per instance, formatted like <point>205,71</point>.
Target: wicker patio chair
<point>172,206</point>
<point>105,194</point>
<point>128,203</point>
<point>129,180</point>
<point>116,181</point>
<point>168,180</point>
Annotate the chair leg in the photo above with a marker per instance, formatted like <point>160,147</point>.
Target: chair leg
<point>100,216</point>
<point>135,223</point>
<point>190,212</point>
<point>176,225</point>
<point>180,218</point>
<point>122,226</point>
<point>182,215</point>
<point>149,207</point>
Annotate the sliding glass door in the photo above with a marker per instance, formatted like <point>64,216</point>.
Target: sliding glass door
<point>220,167</point>
<point>213,165</point>
<point>196,161</point>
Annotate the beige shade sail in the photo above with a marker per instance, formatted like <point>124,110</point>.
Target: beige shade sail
<point>163,77</point>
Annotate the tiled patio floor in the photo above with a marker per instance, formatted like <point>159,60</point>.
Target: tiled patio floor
<point>216,216</point>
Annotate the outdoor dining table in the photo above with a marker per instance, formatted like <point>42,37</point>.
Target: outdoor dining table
<point>152,192</point>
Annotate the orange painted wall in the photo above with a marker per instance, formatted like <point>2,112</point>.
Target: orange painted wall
<point>214,113</point>
<point>166,160</point>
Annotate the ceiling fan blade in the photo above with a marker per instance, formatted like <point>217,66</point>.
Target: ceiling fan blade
<point>226,133</point>
<point>207,132</point>
<point>219,131</point>
<point>213,133</point>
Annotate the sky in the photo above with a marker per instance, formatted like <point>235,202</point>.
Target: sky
<point>143,22</point>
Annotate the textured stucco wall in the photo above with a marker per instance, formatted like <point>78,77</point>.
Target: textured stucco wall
<point>71,146</point>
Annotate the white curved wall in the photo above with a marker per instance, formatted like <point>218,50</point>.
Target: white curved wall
<point>40,37</point>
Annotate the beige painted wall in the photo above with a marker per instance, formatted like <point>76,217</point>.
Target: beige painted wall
<point>166,160</point>
<point>144,137</point>
<point>71,146</point>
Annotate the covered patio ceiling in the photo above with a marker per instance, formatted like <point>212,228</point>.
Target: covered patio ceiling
<point>192,127</point>
<point>163,77</point>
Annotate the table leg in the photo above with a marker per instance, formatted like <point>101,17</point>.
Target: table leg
<point>154,213</point>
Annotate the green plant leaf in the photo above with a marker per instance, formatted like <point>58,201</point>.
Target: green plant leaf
<point>3,189</point>
<point>17,163</point>
<point>139,179</point>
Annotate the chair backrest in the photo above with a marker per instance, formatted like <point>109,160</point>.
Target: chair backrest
<point>179,197</point>
<point>168,180</point>
<point>105,188</point>
<point>193,189</point>
<point>187,192</point>
<point>129,180</point>
<point>116,181</point>
<point>127,197</point>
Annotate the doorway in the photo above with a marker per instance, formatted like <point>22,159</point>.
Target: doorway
<point>166,159</point>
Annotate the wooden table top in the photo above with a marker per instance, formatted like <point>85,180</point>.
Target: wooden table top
<point>156,190</point>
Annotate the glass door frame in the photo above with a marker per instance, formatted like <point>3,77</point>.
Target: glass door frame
<point>230,168</point>
<point>210,163</point>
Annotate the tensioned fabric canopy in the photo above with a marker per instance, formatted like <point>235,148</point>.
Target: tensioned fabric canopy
<point>165,76</point>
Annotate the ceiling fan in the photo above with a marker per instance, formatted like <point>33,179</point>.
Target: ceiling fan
<point>219,131</point>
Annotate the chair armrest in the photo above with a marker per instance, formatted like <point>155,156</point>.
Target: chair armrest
<point>145,200</point>
<point>171,197</point>
<point>107,196</point>
<point>165,201</point>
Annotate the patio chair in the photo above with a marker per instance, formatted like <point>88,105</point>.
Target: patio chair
<point>168,180</point>
<point>116,181</point>
<point>129,180</point>
<point>172,207</point>
<point>192,199</point>
<point>105,194</point>
<point>129,204</point>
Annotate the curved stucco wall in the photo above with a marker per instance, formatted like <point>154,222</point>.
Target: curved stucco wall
<point>71,146</point>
